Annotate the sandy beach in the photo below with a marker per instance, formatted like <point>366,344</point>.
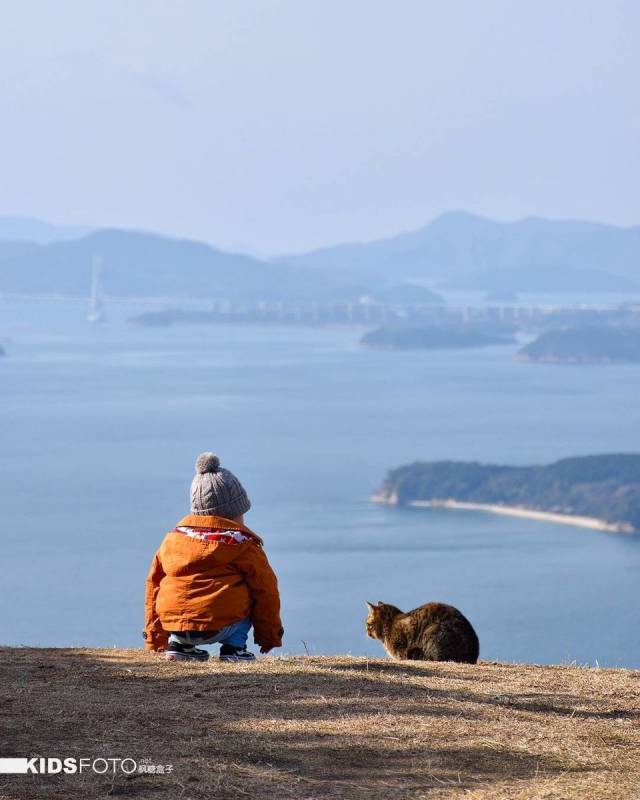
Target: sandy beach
<point>514,511</point>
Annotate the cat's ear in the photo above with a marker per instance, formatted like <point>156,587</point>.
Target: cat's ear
<point>370,606</point>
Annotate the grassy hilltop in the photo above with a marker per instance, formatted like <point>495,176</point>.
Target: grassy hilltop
<point>320,727</point>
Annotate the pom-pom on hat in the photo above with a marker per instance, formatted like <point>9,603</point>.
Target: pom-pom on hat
<point>216,491</point>
<point>207,462</point>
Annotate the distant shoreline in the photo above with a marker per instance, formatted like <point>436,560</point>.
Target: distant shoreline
<point>513,511</point>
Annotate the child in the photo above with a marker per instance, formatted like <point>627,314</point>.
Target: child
<point>210,581</point>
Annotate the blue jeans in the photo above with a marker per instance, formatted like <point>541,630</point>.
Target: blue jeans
<point>234,635</point>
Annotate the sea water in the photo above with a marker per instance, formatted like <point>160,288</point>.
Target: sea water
<point>101,425</point>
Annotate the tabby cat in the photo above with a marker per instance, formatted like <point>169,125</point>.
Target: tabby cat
<point>433,632</point>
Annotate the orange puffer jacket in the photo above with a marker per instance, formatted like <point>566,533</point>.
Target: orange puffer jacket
<point>208,573</point>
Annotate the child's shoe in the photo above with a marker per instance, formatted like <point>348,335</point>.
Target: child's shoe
<point>185,652</point>
<point>229,653</point>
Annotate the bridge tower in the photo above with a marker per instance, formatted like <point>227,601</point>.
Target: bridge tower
<point>96,298</point>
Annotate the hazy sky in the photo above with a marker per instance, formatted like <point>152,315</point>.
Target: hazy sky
<point>273,125</point>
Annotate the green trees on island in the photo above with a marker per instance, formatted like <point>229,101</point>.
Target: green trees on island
<point>603,486</point>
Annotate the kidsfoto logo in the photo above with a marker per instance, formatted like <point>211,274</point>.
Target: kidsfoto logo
<point>67,766</point>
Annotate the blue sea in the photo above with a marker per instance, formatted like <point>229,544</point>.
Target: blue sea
<point>101,425</point>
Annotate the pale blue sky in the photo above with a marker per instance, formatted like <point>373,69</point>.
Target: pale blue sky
<point>277,125</point>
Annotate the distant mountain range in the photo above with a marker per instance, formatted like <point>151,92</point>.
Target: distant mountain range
<point>141,264</point>
<point>455,251</point>
<point>464,251</point>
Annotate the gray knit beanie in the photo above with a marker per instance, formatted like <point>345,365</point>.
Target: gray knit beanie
<point>216,491</point>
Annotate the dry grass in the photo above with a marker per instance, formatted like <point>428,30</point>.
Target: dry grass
<point>321,727</point>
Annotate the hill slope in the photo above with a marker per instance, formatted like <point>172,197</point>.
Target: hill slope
<point>475,252</point>
<point>296,728</point>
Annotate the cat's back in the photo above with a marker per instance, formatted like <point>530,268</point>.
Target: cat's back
<point>444,631</point>
<point>437,612</point>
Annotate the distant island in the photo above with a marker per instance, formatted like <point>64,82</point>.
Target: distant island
<point>584,345</point>
<point>414,336</point>
<point>601,491</point>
